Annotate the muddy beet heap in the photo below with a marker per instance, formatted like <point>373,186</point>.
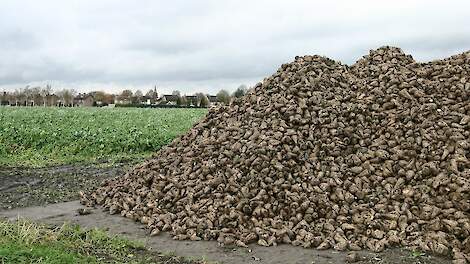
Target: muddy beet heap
<point>320,155</point>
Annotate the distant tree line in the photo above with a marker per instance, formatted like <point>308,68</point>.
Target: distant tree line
<point>38,96</point>
<point>225,97</point>
<point>45,96</point>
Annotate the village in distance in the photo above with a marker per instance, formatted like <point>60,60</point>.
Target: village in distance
<point>45,96</point>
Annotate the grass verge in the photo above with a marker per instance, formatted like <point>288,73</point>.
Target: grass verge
<point>26,242</point>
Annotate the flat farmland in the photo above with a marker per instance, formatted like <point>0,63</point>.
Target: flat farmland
<point>38,136</point>
<point>48,155</point>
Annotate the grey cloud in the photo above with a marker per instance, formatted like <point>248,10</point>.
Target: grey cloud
<point>209,44</point>
<point>447,44</point>
<point>163,46</point>
<point>16,39</point>
<point>47,72</point>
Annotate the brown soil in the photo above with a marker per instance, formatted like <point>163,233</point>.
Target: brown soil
<point>23,187</point>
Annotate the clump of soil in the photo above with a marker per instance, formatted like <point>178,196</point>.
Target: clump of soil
<point>320,155</point>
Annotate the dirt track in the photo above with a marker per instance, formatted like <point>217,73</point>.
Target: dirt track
<point>50,188</point>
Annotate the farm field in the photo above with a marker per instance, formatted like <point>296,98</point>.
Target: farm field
<point>49,155</point>
<point>53,136</point>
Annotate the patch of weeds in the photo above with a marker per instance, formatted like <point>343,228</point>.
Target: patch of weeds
<point>26,242</point>
<point>417,254</point>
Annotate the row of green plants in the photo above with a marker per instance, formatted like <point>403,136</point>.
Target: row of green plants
<point>46,136</point>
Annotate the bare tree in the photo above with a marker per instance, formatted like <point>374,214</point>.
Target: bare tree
<point>223,96</point>
<point>15,96</point>
<point>152,93</point>
<point>73,94</point>
<point>204,101</point>
<point>45,92</point>
<point>36,96</point>
<point>27,94</point>
<point>241,90</point>
<point>10,98</point>
<point>60,96</point>
<point>3,97</point>
<point>99,96</point>
<point>198,99</point>
<point>181,100</point>
<point>20,96</point>
<point>138,95</point>
<point>66,96</point>
<point>126,95</point>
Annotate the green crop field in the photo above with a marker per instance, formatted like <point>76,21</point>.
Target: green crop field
<point>49,136</point>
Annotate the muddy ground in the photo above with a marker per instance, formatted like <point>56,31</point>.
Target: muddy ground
<point>42,195</point>
<point>24,187</point>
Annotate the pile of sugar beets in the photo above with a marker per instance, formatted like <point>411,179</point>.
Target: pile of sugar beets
<point>320,155</point>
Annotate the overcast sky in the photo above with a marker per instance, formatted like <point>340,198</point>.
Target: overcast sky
<point>208,45</point>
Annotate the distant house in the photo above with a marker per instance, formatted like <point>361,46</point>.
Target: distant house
<point>169,99</point>
<point>212,99</point>
<point>84,100</point>
<point>148,100</point>
<point>145,100</point>
<point>78,100</point>
<point>191,100</point>
<point>98,98</point>
<point>51,100</point>
<point>88,100</point>
<point>121,100</point>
